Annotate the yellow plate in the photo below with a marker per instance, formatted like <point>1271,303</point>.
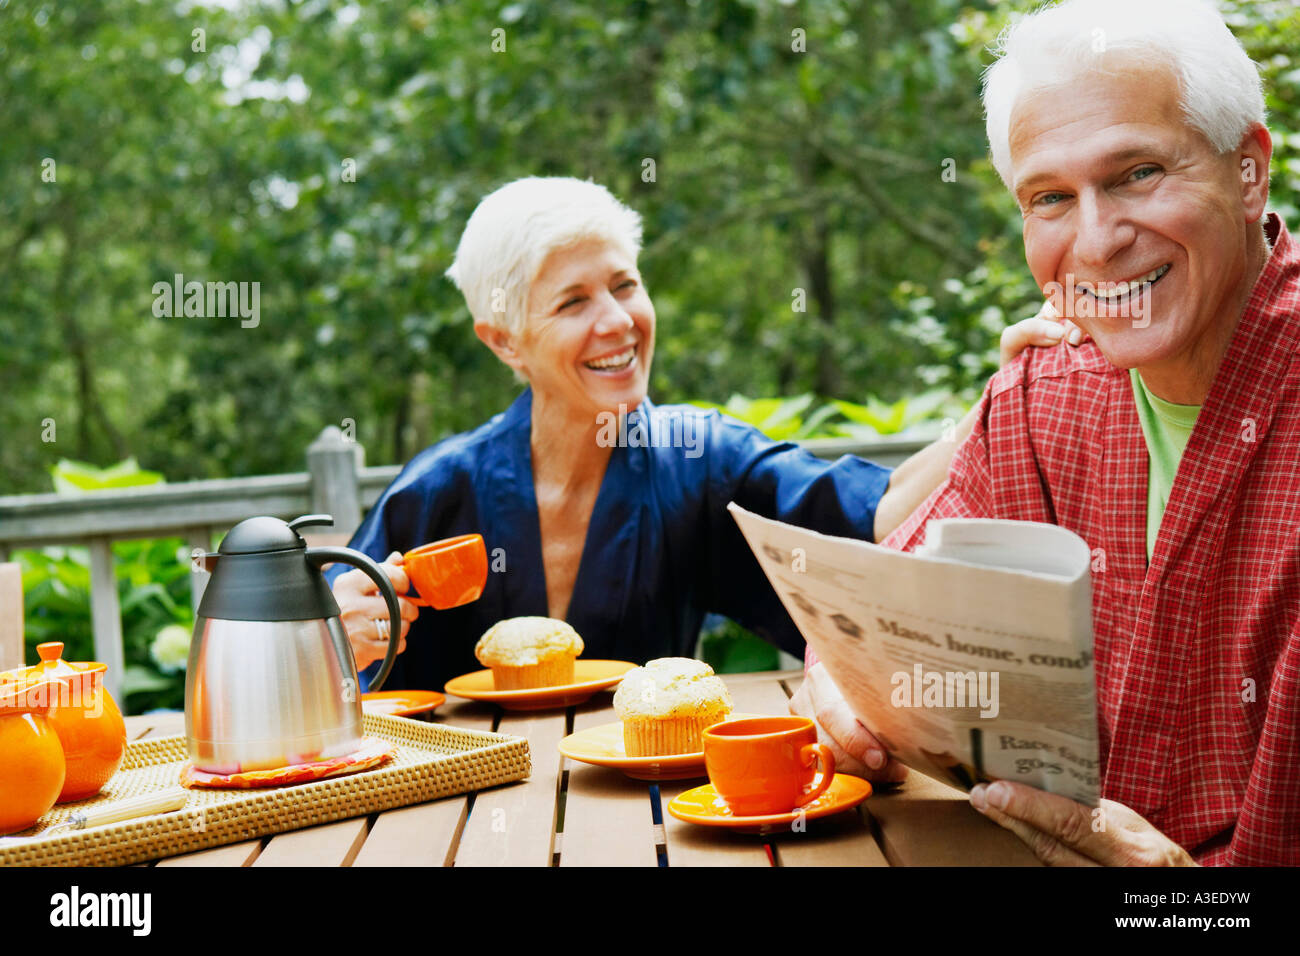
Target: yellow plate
<point>603,747</point>
<point>702,805</point>
<point>589,677</point>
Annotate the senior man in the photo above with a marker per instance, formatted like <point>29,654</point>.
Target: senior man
<point>1131,134</point>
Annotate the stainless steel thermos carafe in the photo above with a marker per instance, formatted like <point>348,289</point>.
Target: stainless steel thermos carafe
<point>272,680</point>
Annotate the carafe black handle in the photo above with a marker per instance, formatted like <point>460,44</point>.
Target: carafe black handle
<point>318,556</point>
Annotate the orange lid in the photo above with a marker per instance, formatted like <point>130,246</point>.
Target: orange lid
<point>54,668</point>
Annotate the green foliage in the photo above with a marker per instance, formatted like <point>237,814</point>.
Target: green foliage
<point>784,420</point>
<point>779,418</point>
<point>958,322</point>
<point>153,582</point>
<point>877,418</point>
<point>774,171</point>
<point>800,236</point>
<point>731,649</point>
<point>75,477</point>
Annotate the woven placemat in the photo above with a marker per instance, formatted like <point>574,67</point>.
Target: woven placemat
<point>431,760</point>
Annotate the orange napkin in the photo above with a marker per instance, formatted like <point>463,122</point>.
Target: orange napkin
<point>372,752</point>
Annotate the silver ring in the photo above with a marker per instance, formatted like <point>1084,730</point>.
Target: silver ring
<point>381,625</point>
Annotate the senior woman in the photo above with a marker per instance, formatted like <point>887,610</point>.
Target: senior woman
<point>596,505</point>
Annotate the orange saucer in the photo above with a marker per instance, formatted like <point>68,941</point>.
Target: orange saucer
<point>702,805</point>
<point>590,677</point>
<point>401,703</point>
<point>603,747</point>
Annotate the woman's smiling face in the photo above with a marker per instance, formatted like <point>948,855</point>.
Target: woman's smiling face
<point>588,338</point>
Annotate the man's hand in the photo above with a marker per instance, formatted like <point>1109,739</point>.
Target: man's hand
<point>1045,329</point>
<point>1062,832</point>
<point>856,750</point>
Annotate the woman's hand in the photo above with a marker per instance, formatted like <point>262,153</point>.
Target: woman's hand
<point>1045,329</point>
<point>856,750</point>
<point>364,612</point>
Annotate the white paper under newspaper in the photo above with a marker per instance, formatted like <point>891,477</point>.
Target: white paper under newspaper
<point>971,658</point>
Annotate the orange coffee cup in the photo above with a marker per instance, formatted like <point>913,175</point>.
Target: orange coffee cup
<point>447,573</point>
<point>766,765</point>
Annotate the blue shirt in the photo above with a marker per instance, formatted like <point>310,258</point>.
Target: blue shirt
<point>661,549</point>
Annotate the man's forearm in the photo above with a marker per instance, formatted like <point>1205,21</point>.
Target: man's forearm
<point>914,480</point>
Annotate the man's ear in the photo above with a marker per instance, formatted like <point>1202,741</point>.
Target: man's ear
<point>1253,159</point>
<point>501,343</point>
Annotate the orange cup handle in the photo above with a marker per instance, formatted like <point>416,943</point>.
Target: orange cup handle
<point>809,754</point>
<point>412,597</point>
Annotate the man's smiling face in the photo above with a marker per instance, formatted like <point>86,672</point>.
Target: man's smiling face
<point>1134,209</point>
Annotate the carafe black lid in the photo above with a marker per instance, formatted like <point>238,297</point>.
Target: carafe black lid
<point>275,578</point>
<point>262,534</point>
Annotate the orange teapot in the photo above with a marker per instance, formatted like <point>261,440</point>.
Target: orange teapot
<point>32,769</point>
<point>85,717</point>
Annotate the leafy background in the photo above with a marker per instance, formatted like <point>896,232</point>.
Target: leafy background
<point>775,170</point>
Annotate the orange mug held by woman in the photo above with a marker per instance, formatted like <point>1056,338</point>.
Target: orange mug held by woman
<point>766,765</point>
<point>447,573</point>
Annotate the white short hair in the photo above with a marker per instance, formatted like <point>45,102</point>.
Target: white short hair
<point>514,229</point>
<point>1220,90</point>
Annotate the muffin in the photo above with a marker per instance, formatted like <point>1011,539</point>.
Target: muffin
<point>666,705</point>
<point>529,652</point>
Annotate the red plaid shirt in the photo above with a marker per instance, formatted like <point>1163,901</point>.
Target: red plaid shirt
<point>1198,654</point>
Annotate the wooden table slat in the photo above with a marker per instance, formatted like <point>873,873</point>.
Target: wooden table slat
<point>422,835</point>
<point>608,820</point>
<point>472,715</point>
<point>232,854</point>
<point>757,697</point>
<point>926,823</point>
<point>426,834</point>
<point>330,844</point>
<point>845,839</point>
<point>513,825</point>
<point>758,677</point>
<point>690,844</point>
<point>154,725</point>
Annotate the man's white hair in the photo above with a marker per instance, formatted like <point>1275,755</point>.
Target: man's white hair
<point>1220,90</point>
<point>515,228</point>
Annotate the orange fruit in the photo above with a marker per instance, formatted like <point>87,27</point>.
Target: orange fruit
<point>94,740</point>
<point>84,715</point>
<point>31,768</point>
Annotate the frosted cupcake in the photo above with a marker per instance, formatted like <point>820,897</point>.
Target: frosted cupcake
<point>666,705</point>
<point>528,652</point>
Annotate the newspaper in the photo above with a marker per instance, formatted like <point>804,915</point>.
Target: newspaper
<point>970,659</point>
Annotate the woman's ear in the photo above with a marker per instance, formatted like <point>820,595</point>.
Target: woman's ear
<point>501,343</point>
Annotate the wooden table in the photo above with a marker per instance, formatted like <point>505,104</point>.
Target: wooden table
<point>572,814</point>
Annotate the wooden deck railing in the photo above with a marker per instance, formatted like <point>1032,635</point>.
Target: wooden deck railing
<point>336,482</point>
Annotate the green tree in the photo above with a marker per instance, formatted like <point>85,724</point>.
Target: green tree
<point>820,213</point>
